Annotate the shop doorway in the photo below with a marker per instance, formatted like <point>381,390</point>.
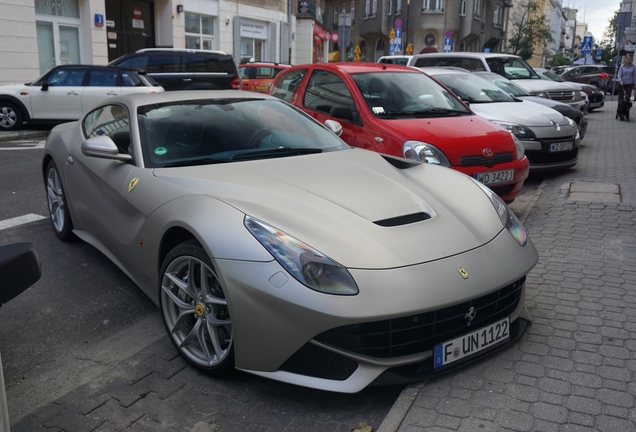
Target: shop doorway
<point>134,27</point>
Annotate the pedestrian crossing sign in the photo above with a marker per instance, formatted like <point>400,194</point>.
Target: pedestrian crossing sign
<point>586,45</point>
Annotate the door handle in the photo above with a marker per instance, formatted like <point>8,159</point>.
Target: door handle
<point>187,79</point>
<point>112,93</point>
<point>73,93</point>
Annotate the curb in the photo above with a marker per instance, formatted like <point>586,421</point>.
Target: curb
<point>23,135</point>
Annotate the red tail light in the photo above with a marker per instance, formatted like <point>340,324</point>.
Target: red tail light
<point>236,83</point>
<point>603,75</point>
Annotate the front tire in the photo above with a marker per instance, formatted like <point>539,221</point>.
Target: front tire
<point>195,310</point>
<point>11,117</point>
<point>58,208</point>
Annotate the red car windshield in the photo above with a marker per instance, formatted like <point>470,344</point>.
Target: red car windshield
<point>391,93</point>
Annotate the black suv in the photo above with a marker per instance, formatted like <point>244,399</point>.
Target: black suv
<point>185,69</point>
<point>596,75</point>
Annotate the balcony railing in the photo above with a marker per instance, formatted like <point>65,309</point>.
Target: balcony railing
<point>309,9</point>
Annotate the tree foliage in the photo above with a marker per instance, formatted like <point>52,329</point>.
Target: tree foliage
<point>529,29</point>
<point>608,42</point>
<point>560,59</point>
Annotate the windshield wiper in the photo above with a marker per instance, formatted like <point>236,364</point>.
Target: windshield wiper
<point>275,152</point>
<point>197,161</point>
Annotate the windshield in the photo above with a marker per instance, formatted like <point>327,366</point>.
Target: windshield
<point>473,89</point>
<point>505,84</point>
<point>395,94</point>
<point>196,132</point>
<point>553,76</point>
<point>511,68</point>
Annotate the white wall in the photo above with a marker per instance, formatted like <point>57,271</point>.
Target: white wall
<point>18,42</point>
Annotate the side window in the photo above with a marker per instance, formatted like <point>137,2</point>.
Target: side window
<point>67,77</point>
<point>326,90</point>
<point>247,72</point>
<point>138,62</point>
<point>103,78</point>
<point>203,63</point>
<point>164,63</point>
<point>287,84</point>
<point>129,80</point>
<point>112,121</point>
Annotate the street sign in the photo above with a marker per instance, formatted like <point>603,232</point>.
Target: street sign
<point>398,23</point>
<point>586,46</point>
<point>599,54</point>
<point>448,43</point>
<point>486,50</point>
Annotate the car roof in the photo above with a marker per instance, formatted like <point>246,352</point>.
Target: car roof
<point>362,67</point>
<point>246,64</point>
<point>140,99</point>
<point>73,66</point>
<point>184,50</point>
<point>467,54</point>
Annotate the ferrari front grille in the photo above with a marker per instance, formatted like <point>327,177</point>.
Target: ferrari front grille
<point>412,334</point>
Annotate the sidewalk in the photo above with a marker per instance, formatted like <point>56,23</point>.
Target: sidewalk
<point>575,367</point>
<point>23,135</point>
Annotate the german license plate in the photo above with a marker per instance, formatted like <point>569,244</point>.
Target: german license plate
<point>560,146</point>
<point>495,176</point>
<point>471,343</point>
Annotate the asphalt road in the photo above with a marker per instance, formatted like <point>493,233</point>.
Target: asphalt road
<point>84,319</point>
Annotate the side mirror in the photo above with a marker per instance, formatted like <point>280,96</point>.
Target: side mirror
<point>334,127</point>
<point>103,147</point>
<point>45,86</point>
<point>342,112</point>
<point>19,269</point>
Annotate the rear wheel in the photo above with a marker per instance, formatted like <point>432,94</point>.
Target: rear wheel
<point>58,209</point>
<point>11,117</point>
<point>195,310</point>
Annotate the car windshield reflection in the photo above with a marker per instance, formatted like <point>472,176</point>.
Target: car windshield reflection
<point>406,94</point>
<point>473,89</point>
<point>206,132</point>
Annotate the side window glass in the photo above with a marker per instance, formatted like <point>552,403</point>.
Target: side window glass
<point>203,63</point>
<point>103,78</point>
<point>326,90</point>
<point>138,62</point>
<point>287,84</point>
<point>112,121</point>
<point>129,80</point>
<point>67,78</point>
<point>165,63</point>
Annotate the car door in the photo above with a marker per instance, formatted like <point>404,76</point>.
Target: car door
<point>102,84</point>
<point>60,96</point>
<point>105,209</point>
<point>326,89</point>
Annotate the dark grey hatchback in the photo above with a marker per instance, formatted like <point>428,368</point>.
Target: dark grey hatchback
<point>185,69</point>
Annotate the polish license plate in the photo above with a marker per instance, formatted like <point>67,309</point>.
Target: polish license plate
<point>560,146</point>
<point>494,177</point>
<point>471,343</point>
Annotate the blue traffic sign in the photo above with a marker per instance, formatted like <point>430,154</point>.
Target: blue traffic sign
<point>586,45</point>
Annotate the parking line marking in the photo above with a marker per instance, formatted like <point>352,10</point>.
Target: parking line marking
<point>20,220</point>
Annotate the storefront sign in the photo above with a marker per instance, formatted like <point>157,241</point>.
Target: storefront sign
<point>65,8</point>
<point>320,32</point>
<point>110,23</point>
<point>253,29</point>
<point>138,24</point>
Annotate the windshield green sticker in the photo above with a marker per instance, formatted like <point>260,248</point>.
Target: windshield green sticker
<point>160,151</point>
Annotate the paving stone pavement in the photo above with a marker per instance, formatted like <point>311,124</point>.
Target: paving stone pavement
<point>574,368</point>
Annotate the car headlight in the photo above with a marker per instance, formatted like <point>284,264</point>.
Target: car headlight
<point>522,132</point>
<point>521,152</point>
<point>424,152</point>
<point>310,267</point>
<point>508,218</point>
<point>574,127</point>
<point>577,96</point>
<point>544,95</point>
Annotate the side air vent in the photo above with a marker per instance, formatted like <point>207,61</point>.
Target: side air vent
<point>400,163</point>
<point>403,220</point>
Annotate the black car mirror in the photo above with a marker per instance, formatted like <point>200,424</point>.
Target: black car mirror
<point>19,269</point>
<point>45,86</point>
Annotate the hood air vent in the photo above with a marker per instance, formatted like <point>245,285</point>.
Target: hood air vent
<point>403,220</point>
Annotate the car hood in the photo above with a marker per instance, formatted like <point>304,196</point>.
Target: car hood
<point>537,85</point>
<point>352,205</point>
<point>526,113</point>
<point>11,89</point>
<point>561,107</point>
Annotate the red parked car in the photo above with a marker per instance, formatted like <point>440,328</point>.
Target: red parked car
<point>403,112</point>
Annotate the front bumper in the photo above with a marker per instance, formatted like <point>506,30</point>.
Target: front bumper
<point>277,329</point>
<point>539,154</point>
